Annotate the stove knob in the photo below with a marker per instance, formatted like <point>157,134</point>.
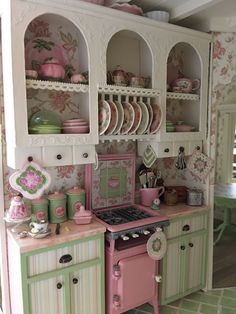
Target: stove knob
<point>146,232</point>
<point>124,237</point>
<point>135,235</point>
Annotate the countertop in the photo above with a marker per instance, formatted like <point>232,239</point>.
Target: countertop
<point>69,231</point>
<point>180,210</point>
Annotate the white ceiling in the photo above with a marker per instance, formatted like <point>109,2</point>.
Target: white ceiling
<point>205,15</point>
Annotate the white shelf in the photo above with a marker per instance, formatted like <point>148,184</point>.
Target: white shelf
<point>127,137</point>
<point>60,86</point>
<point>183,96</point>
<point>128,90</point>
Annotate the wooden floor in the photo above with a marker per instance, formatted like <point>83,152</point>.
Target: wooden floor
<point>224,262</point>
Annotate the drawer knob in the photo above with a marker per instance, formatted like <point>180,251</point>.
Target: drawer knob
<point>198,147</point>
<point>186,228</point>
<point>30,158</point>
<point>166,150</point>
<point>59,156</point>
<point>191,244</point>
<point>75,281</point>
<point>67,258</point>
<point>85,155</point>
<point>182,247</point>
<point>59,285</point>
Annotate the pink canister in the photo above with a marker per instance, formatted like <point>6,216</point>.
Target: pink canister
<point>57,207</point>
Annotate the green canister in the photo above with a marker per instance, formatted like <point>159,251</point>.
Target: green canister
<point>39,209</point>
<point>75,198</point>
<point>57,207</point>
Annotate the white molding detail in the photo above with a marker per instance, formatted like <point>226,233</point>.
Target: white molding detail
<point>183,96</point>
<point>59,86</point>
<point>128,90</point>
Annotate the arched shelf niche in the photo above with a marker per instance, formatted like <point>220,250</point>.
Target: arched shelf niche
<point>54,36</point>
<point>183,98</point>
<point>130,52</point>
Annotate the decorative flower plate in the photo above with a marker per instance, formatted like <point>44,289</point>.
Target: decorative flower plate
<point>104,116</point>
<point>157,118</point>
<point>120,117</point>
<point>30,181</point>
<point>128,118</point>
<point>137,117</point>
<point>150,112</point>
<point>40,235</point>
<point>114,118</point>
<point>145,118</point>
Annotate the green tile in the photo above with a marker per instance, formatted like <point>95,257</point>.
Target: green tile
<point>229,293</point>
<point>190,305</point>
<point>182,311</point>
<point>204,298</point>
<point>214,292</point>
<point>147,308</point>
<point>208,309</point>
<point>131,312</point>
<point>176,303</point>
<point>168,310</point>
<point>228,302</point>
<point>227,311</point>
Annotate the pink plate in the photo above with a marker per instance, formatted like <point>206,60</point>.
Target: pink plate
<point>40,48</point>
<point>125,7</point>
<point>150,111</point>
<point>157,118</point>
<point>137,117</point>
<point>104,116</point>
<point>128,117</point>
<point>76,129</point>
<point>114,118</point>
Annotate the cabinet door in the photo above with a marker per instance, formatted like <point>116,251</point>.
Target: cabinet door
<point>86,292</point>
<point>173,269</point>
<point>196,260</point>
<point>47,296</point>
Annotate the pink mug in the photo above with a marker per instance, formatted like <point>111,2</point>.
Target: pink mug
<point>149,194</point>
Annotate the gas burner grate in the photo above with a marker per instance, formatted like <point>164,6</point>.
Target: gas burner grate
<point>122,215</point>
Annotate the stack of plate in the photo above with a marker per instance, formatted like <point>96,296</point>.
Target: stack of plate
<point>75,126</point>
<point>45,122</point>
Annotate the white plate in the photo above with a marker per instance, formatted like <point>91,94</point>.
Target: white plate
<point>128,117</point>
<point>114,118</point>
<point>157,118</point>
<point>104,116</point>
<point>39,235</point>
<point>120,117</point>
<point>145,118</point>
<point>137,117</point>
<point>150,111</point>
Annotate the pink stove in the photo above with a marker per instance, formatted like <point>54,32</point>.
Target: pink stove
<point>130,272</point>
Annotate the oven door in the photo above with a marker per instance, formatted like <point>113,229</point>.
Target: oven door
<point>136,284</point>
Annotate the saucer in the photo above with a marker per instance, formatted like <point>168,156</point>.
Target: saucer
<point>39,235</point>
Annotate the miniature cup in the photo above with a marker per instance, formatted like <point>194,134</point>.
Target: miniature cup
<point>39,227</point>
<point>149,194</point>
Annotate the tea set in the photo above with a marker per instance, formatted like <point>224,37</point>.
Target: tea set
<point>39,229</point>
<point>184,85</point>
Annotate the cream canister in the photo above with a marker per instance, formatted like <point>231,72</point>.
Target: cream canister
<point>39,209</point>
<point>75,198</point>
<point>57,207</point>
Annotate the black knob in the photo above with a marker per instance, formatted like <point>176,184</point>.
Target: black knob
<point>186,228</point>
<point>181,149</point>
<point>30,158</point>
<point>198,147</point>
<point>85,155</point>
<point>166,150</point>
<point>59,285</point>
<point>59,156</point>
<point>182,247</point>
<point>191,244</point>
<point>67,258</point>
<point>75,281</point>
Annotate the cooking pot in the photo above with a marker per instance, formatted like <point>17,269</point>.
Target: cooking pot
<point>194,197</point>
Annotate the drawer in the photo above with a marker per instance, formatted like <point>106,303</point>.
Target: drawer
<point>186,225</point>
<point>164,149</point>
<point>50,260</point>
<point>18,156</point>
<point>84,154</point>
<point>57,155</point>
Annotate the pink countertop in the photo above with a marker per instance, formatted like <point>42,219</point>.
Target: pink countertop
<point>69,231</point>
<point>180,210</point>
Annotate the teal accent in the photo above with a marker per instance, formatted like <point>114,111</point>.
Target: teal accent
<point>191,243</point>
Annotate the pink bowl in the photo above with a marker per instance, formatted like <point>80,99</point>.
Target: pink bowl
<point>184,128</point>
<point>76,129</point>
<point>82,123</point>
<point>74,120</point>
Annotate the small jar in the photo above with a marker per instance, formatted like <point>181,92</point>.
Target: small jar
<point>75,198</point>
<point>39,209</point>
<point>57,207</point>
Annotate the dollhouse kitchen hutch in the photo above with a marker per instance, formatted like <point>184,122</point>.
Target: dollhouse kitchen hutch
<point>92,39</point>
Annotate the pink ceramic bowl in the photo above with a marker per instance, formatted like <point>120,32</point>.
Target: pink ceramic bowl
<point>76,129</point>
<point>184,128</point>
<point>82,123</point>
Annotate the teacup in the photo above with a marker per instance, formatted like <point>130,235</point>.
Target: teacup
<point>78,78</point>
<point>185,85</point>
<point>39,227</point>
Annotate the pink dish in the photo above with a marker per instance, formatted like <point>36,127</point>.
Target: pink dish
<point>76,129</point>
<point>125,7</point>
<point>82,123</point>
<point>184,128</point>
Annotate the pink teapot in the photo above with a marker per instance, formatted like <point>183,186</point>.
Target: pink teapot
<point>119,76</point>
<point>52,69</point>
<point>185,85</point>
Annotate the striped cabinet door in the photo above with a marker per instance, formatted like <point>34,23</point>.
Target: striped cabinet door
<point>46,296</point>
<point>196,261</point>
<point>86,292</point>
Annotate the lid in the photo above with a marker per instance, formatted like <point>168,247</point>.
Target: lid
<point>40,200</point>
<point>75,190</point>
<point>56,196</point>
<point>82,212</point>
<point>112,183</point>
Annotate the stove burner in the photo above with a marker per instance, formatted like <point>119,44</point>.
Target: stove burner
<point>122,215</point>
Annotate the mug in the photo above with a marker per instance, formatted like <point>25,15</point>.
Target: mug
<point>149,194</point>
<point>38,227</point>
